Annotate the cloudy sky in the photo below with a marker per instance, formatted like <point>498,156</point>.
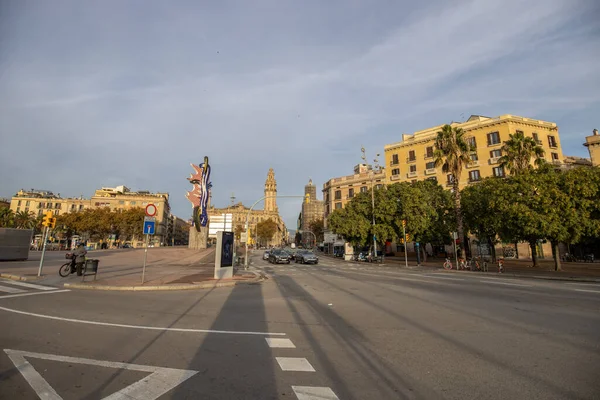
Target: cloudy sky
<point>104,93</point>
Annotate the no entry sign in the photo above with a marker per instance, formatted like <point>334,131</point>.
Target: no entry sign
<point>151,210</point>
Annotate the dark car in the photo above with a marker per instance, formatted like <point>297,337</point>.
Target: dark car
<point>307,257</point>
<point>278,256</point>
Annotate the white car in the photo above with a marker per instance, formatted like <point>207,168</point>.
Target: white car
<point>266,255</point>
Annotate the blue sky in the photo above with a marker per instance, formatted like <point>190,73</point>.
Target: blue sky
<point>107,93</point>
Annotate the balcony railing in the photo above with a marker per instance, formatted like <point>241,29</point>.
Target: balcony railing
<point>392,163</point>
<point>394,177</point>
<point>428,156</point>
<point>430,171</point>
<point>412,174</point>
<point>411,160</point>
<point>473,164</point>
<point>494,160</point>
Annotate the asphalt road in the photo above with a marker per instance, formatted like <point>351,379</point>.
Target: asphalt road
<point>334,330</point>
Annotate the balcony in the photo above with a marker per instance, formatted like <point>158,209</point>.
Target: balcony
<point>411,160</point>
<point>494,160</point>
<point>392,163</point>
<point>553,145</point>
<point>394,177</point>
<point>428,156</point>
<point>430,171</point>
<point>473,164</point>
<point>538,141</point>
<point>412,174</point>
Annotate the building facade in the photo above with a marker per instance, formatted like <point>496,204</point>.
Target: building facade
<point>119,198</point>
<point>593,145</point>
<point>239,213</point>
<point>312,210</point>
<point>412,159</point>
<point>339,191</point>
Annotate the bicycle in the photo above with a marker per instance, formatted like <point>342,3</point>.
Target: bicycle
<point>447,264</point>
<point>70,267</point>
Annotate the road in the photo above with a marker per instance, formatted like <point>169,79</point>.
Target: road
<point>334,330</point>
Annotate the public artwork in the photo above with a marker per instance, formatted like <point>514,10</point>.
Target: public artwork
<point>200,193</point>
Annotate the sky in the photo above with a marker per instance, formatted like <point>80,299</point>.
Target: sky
<point>107,93</point>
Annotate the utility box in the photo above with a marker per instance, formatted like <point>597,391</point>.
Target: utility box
<point>14,244</point>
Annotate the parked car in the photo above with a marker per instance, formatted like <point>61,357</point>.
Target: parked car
<point>307,257</point>
<point>266,255</point>
<point>278,256</point>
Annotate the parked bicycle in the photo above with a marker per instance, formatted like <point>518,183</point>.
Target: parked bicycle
<point>447,264</point>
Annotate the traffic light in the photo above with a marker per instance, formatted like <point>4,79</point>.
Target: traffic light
<point>52,222</point>
<point>407,238</point>
<point>403,222</point>
<point>306,198</point>
<point>47,221</point>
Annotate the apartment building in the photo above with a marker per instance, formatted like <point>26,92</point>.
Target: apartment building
<point>339,191</point>
<point>411,159</point>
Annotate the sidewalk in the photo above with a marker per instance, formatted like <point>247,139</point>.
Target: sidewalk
<point>167,268</point>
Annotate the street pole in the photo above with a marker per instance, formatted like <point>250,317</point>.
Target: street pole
<point>454,237</point>
<point>248,217</point>
<point>373,207</point>
<point>405,252</point>
<point>44,237</point>
<point>145,256</point>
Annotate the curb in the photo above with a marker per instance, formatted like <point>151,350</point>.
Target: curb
<point>20,278</point>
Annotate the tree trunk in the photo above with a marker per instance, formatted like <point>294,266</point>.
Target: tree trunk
<point>532,245</point>
<point>492,248</point>
<point>458,211</point>
<point>555,255</point>
<point>424,253</point>
<point>516,249</point>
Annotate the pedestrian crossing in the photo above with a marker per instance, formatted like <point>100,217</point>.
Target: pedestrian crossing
<point>10,287</point>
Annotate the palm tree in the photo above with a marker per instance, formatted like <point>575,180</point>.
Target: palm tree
<point>24,220</point>
<point>7,217</point>
<point>518,151</point>
<point>453,153</point>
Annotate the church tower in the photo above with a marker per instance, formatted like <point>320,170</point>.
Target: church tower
<point>271,190</point>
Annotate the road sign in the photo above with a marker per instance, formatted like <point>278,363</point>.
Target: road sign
<point>151,210</point>
<point>149,227</point>
<point>244,237</point>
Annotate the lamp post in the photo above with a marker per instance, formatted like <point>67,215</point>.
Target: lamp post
<point>372,173</point>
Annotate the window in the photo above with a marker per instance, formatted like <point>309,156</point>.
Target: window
<point>498,171</point>
<point>450,178</point>
<point>351,193</point>
<point>27,203</point>
<point>554,156</point>
<point>80,207</point>
<point>394,159</point>
<point>536,138</point>
<point>474,157</point>
<point>338,194</point>
<point>433,178</point>
<point>430,165</point>
<point>338,206</point>
<point>48,205</point>
<point>18,209</point>
<point>57,205</point>
<point>429,152</point>
<point>39,212</point>
<point>121,201</point>
<point>396,171</point>
<point>378,186</point>
<point>493,138</point>
<point>552,141</point>
<point>413,168</point>
<point>495,153</point>
<point>411,155</point>
<point>474,176</point>
<point>363,189</point>
<point>472,142</point>
<point>132,203</point>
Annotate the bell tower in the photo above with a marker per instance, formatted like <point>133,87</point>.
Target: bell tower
<point>271,191</point>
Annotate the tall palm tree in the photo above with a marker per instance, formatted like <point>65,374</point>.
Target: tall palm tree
<point>24,220</point>
<point>518,152</point>
<point>453,152</point>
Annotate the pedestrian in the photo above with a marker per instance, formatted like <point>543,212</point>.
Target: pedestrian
<point>500,265</point>
<point>79,254</point>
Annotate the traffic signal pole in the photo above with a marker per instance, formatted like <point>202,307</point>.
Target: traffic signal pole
<point>405,252</point>
<point>45,239</point>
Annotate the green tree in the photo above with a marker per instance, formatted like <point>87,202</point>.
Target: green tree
<point>518,151</point>
<point>317,227</point>
<point>24,220</point>
<point>452,152</point>
<point>238,231</point>
<point>266,229</point>
<point>7,217</point>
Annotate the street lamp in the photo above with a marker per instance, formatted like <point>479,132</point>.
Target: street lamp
<point>372,173</point>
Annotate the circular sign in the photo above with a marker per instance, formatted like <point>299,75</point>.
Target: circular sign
<point>151,210</point>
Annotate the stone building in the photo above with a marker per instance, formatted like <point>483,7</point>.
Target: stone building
<point>239,213</point>
<point>593,145</point>
<point>312,210</point>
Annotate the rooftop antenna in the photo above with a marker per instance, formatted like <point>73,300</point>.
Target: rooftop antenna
<point>232,198</point>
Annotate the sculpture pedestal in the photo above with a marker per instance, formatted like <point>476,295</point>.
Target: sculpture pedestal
<point>198,240</point>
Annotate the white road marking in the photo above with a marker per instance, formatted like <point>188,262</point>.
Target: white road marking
<point>9,289</point>
<point>280,343</point>
<point>504,283</point>
<point>34,293</point>
<point>28,285</point>
<point>587,291</point>
<point>151,387</point>
<point>393,277</point>
<point>294,364</point>
<point>583,284</point>
<point>151,328</point>
<point>314,393</point>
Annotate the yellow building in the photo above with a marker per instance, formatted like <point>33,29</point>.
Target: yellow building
<point>339,191</point>
<point>411,159</point>
<point>593,145</point>
<point>239,213</point>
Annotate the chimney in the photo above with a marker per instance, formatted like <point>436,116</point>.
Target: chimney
<point>595,132</point>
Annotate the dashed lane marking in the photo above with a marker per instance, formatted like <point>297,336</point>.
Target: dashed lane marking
<point>587,291</point>
<point>314,393</point>
<point>442,277</point>
<point>297,364</point>
<point>280,343</point>
<point>504,283</point>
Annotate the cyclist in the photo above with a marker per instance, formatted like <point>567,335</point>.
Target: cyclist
<point>79,255</point>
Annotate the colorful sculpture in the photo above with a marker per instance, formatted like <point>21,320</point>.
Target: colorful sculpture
<point>200,193</point>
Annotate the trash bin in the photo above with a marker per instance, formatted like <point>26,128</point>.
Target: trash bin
<point>91,265</point>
